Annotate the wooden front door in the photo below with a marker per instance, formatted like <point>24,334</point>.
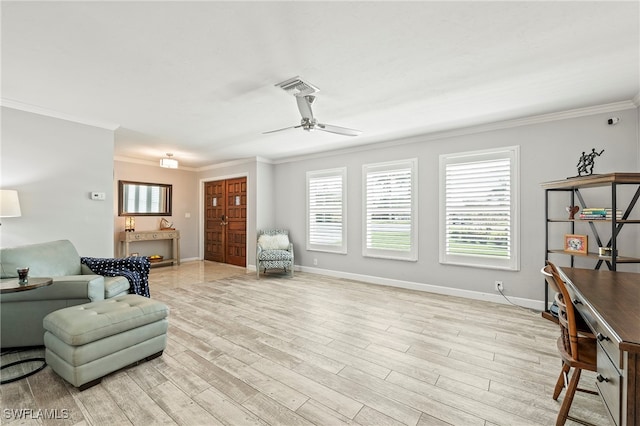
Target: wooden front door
<point>225,238</point>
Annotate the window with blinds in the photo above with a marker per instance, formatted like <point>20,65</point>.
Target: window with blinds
<point>479,209</point>
<point>144,198</point>
<point>326,210</point>
<point>390,204</point>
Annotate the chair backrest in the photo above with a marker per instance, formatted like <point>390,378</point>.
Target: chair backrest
<point>566,312</point>
<point>548,271</point>
<point>273,239</point>
<point>272,232</point>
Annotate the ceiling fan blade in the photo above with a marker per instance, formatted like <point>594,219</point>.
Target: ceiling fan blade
<point>285,128</point>
<point>339,130</point>
<point>304,105</point>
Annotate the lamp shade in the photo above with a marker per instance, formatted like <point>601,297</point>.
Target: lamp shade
<point>9,203</point>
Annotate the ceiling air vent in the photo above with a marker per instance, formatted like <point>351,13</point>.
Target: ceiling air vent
<point>297,87</point>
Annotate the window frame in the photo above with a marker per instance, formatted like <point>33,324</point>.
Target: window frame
<point>342,248</point>
<point>512,153</point>
<point>412,254</point>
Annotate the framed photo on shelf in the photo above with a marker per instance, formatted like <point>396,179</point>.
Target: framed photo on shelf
<point>574,243</point>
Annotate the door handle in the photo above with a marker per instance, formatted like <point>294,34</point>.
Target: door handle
<point>223,221</point>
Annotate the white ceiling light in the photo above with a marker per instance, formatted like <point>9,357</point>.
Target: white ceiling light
<point>169,163</point>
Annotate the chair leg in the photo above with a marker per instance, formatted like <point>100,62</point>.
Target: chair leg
<point>560,382</point>
<point>568,397</point>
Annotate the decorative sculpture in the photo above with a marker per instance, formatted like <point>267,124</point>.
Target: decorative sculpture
<point>572,210</point>
<point>166,225</point>
<point>586,162</point>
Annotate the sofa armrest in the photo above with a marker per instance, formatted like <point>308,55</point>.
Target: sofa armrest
<point>134,269</point>
<point>85,270</point>
<point>89,287</point>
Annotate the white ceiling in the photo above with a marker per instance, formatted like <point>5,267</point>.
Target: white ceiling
<point>197,78</point>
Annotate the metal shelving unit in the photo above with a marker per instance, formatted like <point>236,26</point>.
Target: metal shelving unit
<point>573,187</point>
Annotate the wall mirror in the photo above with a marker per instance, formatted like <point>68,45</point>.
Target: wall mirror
<point>144,199</point>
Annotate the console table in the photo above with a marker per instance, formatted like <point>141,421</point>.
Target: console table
<point>609,301</point>
<point>170,235</point>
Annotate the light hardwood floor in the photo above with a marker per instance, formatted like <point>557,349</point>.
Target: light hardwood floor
<point>318,350</point>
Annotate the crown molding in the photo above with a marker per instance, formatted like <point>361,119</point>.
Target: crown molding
<point>230,163</point>
<point>151,163</point>
<point>481,128</point>
<point>11,103</point>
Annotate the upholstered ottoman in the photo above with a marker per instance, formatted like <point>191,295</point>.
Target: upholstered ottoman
<point>86,342</point>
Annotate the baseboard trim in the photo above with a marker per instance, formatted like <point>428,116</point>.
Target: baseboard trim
<point>410,285</point>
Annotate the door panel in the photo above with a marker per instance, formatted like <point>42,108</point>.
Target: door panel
<point>214,240</point>
<point>226,221</point>
<point>237,221</point>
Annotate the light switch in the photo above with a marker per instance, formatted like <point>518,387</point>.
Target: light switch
<point>98,196</point>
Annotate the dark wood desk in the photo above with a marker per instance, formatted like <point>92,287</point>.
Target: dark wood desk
<point>609,301</point>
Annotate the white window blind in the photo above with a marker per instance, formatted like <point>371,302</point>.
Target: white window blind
<point>144,198</point>
<point>479,209</point>
<point>326,207</point>
<point>390,223</point>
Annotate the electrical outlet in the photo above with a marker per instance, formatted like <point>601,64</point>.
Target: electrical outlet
<point>315,262</point>
<point>499,286</point>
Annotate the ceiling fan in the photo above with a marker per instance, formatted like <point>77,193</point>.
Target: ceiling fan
<point>303,93</point>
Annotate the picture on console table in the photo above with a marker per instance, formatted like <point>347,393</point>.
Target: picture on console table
<point>574,243</point>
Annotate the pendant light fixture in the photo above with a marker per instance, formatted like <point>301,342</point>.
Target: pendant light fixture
<point>169,163</point>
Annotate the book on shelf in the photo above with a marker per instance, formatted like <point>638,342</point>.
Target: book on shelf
<point>593,216</point>
<point>598,213</point>
<point>609,213</point>
<point>595,210</point>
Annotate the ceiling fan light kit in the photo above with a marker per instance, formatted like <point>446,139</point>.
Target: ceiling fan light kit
<point>303,92</point>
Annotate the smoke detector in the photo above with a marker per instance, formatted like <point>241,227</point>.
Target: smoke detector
<point>297,87</point>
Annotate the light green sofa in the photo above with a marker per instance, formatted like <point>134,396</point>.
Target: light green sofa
<point>21,313</point>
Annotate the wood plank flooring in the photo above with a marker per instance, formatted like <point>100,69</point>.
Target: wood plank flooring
<point>315,350</point>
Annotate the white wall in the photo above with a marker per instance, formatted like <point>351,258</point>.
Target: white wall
<point>266,195</point>
<point>185,202</point>
<point>549,151</point>
<point>54,164</point>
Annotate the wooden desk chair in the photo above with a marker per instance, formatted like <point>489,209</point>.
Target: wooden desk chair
<point>581,325</point>
<point>577,351</point>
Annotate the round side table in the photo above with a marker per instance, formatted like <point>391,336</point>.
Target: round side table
<point>12,285</point>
